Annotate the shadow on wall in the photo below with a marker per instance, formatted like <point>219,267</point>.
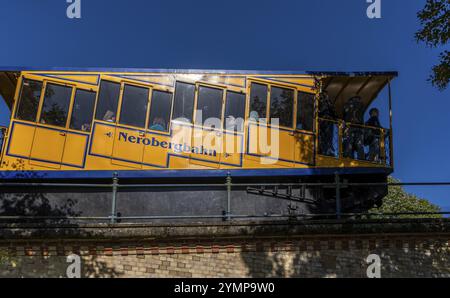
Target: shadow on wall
<point>37,204</point>
<point>341,261</point>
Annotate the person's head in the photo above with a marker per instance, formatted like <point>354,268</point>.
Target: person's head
<point>254,115</point>
<point>374,112</point>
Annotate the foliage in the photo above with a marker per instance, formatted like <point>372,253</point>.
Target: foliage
<point>435,21</point>
<point>399,201</point>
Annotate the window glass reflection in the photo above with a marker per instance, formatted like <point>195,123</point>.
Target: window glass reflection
<point>56,105</point>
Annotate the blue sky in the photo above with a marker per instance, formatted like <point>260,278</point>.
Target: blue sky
<point>263,34</point>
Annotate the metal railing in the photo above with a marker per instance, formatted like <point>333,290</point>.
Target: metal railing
<point>226,215</point>
<point>340,139</point>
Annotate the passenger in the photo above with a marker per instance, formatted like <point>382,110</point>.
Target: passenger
<point>158,124</point>
<point>327,128</point>
<point>86,127</point>
<point>374,121</point>
<point>353,139</point>
<point>372,136</point>
<point>230,123</point>
<point>254,116</point>
<point>110,116</point>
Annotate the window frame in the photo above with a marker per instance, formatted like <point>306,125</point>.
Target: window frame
<point>314,112</point>
<point>96,91</point>
<point>245,110</point>
<point>269,85</point>
<point>42,99</point>
<point>249,93</point>
<point>18,95</point>
<point>197,92</point>
<point>120,102</point>
<point>169,123</point>
<point>97,99</point>
<point>191,123</point>
<point>294,105</point>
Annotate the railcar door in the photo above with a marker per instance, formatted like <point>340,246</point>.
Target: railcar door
<point>50,133</point>
<point>282,136</point>
<point>233,137</point>
<point>128,148</point>
<point>104,130</point>
<point>207,134</point>
<point>77,139</point>
<point>258,119</point>
<point>271,133</point>
<point>158,140</point>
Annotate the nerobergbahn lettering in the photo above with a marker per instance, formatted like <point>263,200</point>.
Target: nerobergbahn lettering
<point>177,148</point>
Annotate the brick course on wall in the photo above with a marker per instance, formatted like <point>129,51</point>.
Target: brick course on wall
<point>405,254</point>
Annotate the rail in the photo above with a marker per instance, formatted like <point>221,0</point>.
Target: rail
<point>227,215</point>
<point>340,139</point>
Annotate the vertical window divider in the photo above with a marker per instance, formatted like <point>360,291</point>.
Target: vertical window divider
<point>17,97</point>
<point>69,112</point>
<point>149,106</point>
<point>295,111</point>
<point>119,103</point>
<point>172,103</point>
<point>41,101</point>
<point>97,96</point>
<point>224,102</point>
<point>194,114</point>
<point>269,94</point>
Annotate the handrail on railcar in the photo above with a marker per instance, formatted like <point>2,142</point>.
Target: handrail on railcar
<point>342,133</point>
<point>226,215</point>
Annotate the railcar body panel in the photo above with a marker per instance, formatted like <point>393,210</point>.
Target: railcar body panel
<point>150,120</point>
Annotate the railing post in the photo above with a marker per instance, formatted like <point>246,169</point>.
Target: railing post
<point>228,197</point>
<point>114,198</point>
<point>338,195</point>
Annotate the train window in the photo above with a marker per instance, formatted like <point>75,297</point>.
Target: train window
<point>183,102</point>
<point>160,110</point>
<point>234,111</point>
<point>29,100</point>
<point>108,99</point>
<point>134,106</point>
<point>209,106</point>
<point>82,111</point>
<point>305,111</point>
<point>56,105</point>
<point>258,101</point>
<point>282,106</point>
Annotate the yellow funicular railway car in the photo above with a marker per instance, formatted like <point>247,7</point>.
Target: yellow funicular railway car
<point>187,126</point>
